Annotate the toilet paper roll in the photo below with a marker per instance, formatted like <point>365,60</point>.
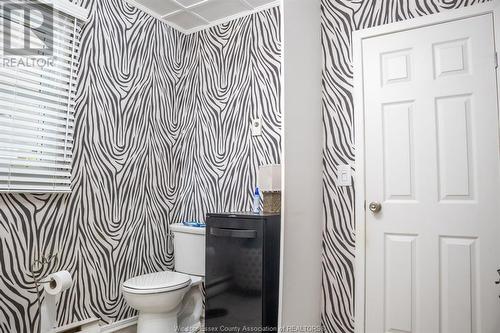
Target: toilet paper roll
<point>59,282</point>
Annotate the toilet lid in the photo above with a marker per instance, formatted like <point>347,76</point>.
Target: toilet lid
<point>157,282</point>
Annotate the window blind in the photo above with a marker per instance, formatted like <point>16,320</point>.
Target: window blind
<point>37,97</point>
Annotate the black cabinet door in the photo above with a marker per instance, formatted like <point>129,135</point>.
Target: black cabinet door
<point>234,255</point>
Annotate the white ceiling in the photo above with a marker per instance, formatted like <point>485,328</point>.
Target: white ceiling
<point>193,15</point>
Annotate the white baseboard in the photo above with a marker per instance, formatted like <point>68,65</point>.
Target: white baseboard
<point>119,325</point>
<point>87,325</point>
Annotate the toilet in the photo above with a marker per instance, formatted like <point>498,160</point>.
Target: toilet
<point>172,301</point>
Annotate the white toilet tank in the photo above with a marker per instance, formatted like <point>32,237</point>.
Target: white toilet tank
<point>189,249</point>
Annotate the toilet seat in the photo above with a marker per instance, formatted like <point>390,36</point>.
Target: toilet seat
<point>156,283</point>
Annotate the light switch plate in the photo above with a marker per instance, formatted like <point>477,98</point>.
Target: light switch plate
<point>344,175</point>
<point>257,127</point>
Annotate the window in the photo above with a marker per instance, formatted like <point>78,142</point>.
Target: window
<point>39,43</point>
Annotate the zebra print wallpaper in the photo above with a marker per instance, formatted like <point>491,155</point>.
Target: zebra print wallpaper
<point>162,135</point>
<point>338,20</point>
<point>231,75</point>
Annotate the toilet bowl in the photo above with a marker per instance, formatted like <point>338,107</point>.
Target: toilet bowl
<point>170,301</point>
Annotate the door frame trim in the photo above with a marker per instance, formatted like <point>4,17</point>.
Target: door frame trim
<point>492,8</point>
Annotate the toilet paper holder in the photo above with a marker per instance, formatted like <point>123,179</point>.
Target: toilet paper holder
<point>51,281</point>
<point>40,264</point>
<point>52,286</point>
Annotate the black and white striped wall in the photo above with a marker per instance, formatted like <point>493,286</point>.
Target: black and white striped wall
<point>162,135</point>
<point>339,19</point>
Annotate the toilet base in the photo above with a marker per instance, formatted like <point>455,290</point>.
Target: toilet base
<point>184,319</point>
<point>157,322</point>
<point>191,309</point>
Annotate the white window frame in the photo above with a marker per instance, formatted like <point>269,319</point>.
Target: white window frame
<point>69,8</point>
<point>80,15</point>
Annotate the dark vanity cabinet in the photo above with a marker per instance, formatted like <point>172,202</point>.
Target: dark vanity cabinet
<point>242,272</point>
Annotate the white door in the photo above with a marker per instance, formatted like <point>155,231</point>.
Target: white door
<point>432,161</point>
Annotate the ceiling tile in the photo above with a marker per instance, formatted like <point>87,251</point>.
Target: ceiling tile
<point>214,10</point>
<point>161,7</point>
<point>193,15</point>
<point>188,3</point>
<point>258,3</point>
<point>185,20</point>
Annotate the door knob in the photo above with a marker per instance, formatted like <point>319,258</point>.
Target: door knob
<point>375,207</point>
<point>498,282</point>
